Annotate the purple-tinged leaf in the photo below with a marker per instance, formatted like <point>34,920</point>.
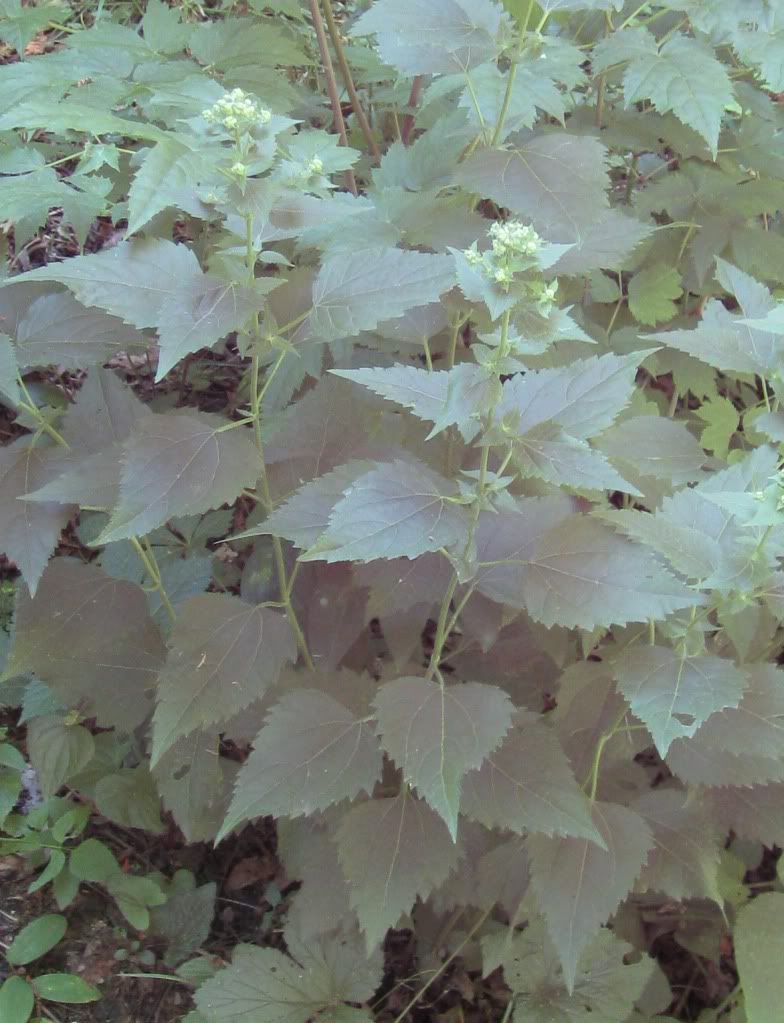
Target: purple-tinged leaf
<point>558,181</point>
<point>312,752</point>
<point>392,850</point>
<point>674,694</point>
<point>29,529</point>
<point>578,885</point>
<point>437,734</point>
<point>527,785</point>
<point>223,655</point>
<point>399,509</point>
<point>179,464</point>
<point>91,639</point>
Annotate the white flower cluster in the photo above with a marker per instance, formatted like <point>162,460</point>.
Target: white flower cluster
<point>237,112</point>
<point>515,249</point>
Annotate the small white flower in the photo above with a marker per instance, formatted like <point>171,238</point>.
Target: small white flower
<point>316,165</point>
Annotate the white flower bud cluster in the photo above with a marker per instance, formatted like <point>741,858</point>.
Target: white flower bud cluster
<point>237,112</point>
<point>515,249</point>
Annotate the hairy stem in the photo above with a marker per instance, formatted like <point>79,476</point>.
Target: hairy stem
<point>332,86</point>
<point>408,120</point>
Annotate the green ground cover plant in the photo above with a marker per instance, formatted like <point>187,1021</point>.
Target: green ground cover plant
<point>401,460</point>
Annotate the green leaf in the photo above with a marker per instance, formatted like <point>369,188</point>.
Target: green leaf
<point>437,734</point>
<point>134,897</point>
<point>91,860</point>
<point>722,420</point>
<point>9,387</point>
<point>654,446</point>
<point>583,397</point>
<point>576,574</point>
<point>166,172</point>
<point>238,43</point>
<point>578,884</point>
<point>652,293</point>
<point>195,784</point>
<point>163,29</point>
<point>36,939</point>
<point>740,745</point>
<point>674,694</point>
<point>223,655</point>
<point>356,291</point>
<point>686,78</point>
<point>57,329</point>
<point>179,464</point>
<point>91,639</point>
<point>607,243</point>
<point>436,37</point>
<point>266,986</point>
<point>305,516</point>
<point>311,752</point>
<point>57,751</point>
<point>758,950</point>
<point>185,918</point>
<point>130,798</point>
<point>393,850</point>
<point>16,1000</point>
<point>29,532</point>
<point>605,988</point>
<point>400,509</point>
<point>446,397</point>
<point>684,862</point>
<point>558,181</point>
<point>527,786</point>
<point>28,198</point>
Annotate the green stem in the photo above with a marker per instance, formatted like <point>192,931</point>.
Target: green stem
<point>593,775</point>
<point>147,557</point>
<point>510,78</point>
<point>32,409</point>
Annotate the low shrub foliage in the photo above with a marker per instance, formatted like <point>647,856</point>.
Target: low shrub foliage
<point>432,459</point>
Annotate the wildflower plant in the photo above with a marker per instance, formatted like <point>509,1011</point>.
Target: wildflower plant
<point>409,472</point>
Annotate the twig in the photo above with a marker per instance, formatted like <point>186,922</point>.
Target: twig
<point>408,121</point>
<point>332,86</point>
<point>345,70</point>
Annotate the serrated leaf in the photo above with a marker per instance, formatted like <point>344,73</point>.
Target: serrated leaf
<point>129,797</point>
<point>433,36</point>
<point>605,987</point>
<point>195,784</point>
<point>684,862</point>
<point>578,885</point>
<point>436,734</point>
<point>583,397</point>
<point>652,293</point>
<point>686,78</point>
<point>36,939</point>
<point>607,243</point>
<point>265,986</point>
<point>164,175</point>
<point>179,465</point>
<point>654,446</point>
<point>9,387</point>
<point>184,920</point>
<point>758,949</point>
<point>550,454</point>
<point>740,745</point>
<point>91,639</point>
<point>311,752</point>
<point>558,181</point>
<point>163,29</point>
<point>443,397</point>
<point>674,694</point>
<point>576,574</point>
<point>690,551</point>
<point>722,420</point>
<point>57,751</point>
<point>400,509</point>
<point>29,530</point>
<point>527,785</point>
<point>223,655</point>
<point>356,291</point>
<point>57,329</point>
<point>393,850</point>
